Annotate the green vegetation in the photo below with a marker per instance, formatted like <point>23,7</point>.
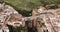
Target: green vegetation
<point>24,4</point>
<point>29,4</point>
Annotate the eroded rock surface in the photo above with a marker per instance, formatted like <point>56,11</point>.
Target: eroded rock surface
<point>42,18</point>
<point>50,17</point>
<point>9,16</point>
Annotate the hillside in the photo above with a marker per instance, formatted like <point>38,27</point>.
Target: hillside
<point>28,5</point>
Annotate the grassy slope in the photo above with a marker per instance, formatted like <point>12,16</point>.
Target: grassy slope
<point>29,4</point>
<point>24,4</point>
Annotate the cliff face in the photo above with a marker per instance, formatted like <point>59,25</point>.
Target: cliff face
<point>50,18</point>
<point>42,19</point>
<point>9,16</point>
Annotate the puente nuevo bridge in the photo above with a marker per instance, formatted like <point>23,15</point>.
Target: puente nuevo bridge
<point>50,18</point>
